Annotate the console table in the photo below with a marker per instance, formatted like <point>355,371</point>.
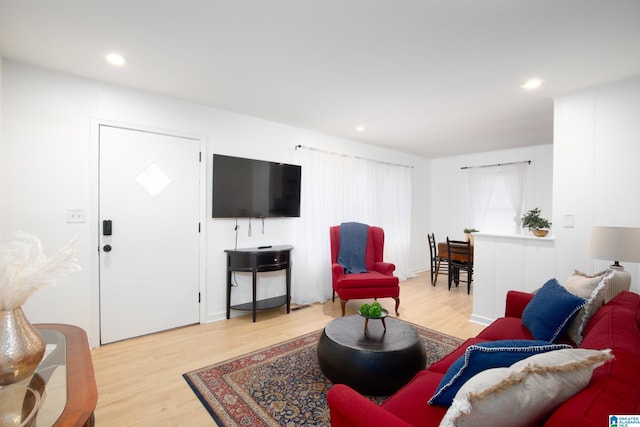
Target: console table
<point>258,260</point>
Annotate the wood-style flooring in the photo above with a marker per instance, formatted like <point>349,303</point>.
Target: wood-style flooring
<point>140,380</point>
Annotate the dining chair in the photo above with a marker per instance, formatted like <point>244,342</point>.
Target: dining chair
<point>460,259</point>
<point>438,262</point>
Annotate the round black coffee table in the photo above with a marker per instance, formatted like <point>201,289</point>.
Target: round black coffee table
<point>376,364</point>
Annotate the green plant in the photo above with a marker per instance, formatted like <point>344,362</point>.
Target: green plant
<point>371,310</point>
<point>532,220</point>
<point>470,230</point>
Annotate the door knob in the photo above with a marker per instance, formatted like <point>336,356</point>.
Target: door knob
<point>106,248</point>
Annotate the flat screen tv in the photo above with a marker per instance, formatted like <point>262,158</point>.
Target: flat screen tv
<point>247,188</point>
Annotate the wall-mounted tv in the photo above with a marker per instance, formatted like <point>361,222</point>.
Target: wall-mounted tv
<point>247,188</point>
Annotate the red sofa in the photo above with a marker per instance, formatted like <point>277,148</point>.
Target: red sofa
<point>613,389</point>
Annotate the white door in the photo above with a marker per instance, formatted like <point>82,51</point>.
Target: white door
<point>149,259</point>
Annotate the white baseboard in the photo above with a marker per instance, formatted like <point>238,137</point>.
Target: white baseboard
<point>214,317</point>
<point>481,320</point>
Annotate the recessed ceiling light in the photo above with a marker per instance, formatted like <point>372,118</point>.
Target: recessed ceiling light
<point>116,59</point>
<point>361,128</point>
<point>531,84</point>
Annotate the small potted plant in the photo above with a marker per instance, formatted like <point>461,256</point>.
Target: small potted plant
<point>468,232</point>
<point>535,223</point>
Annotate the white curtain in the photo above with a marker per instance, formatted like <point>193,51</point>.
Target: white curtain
<point>481,183</point>
<point>515,180</point>
<point>338,188</point>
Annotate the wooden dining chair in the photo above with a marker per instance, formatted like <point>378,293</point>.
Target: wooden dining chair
<point>438,262</point>
<point>460,259</point>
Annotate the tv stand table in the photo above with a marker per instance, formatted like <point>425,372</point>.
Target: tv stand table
<point>258,260</point>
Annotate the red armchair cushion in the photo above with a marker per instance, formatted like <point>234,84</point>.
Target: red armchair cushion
<point>364,293</point>
<point>366,280</point>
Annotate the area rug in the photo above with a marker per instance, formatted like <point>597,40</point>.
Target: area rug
<point>281,385</point>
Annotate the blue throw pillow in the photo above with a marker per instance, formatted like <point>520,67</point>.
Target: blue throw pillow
<point>482,356</point>
<point>551,311</point>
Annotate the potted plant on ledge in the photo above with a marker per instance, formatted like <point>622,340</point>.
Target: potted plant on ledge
<point>468,232</point>
<point>535,223</point>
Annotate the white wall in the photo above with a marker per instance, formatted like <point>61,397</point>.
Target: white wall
<point>50,165</point>
<point>421,217</point>
<point>508,262</point>
<point>596,169</point>
<point>449,186</point>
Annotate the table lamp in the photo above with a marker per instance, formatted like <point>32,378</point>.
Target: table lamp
<point>616,244</point>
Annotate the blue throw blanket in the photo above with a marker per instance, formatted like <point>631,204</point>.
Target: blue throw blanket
<point>353,247</point>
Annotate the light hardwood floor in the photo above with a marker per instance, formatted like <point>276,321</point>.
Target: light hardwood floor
<point>140,380</point>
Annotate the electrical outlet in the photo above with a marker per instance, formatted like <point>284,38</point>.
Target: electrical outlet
<point>75,215</point>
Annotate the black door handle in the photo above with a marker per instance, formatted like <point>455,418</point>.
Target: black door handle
<point>106,248</point>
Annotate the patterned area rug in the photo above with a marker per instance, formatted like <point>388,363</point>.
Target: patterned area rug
<point>281,385</point>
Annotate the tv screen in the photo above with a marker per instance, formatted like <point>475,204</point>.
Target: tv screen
<point>247,188</point>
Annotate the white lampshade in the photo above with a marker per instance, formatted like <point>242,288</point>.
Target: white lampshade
<point>616,244</point>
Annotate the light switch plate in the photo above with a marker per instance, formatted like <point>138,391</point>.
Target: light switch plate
<point>76,215</point>
<point>568,221</point>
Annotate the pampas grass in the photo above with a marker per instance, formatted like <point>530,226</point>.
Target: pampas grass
<point>24,268</point>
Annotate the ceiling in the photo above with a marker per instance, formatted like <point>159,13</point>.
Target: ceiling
<point>428,77</point>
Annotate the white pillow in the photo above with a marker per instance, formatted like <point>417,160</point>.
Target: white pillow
<point>525,393</point>
<point>593,289</point>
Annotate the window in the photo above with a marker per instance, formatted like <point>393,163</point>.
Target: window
<point>496,195</point>
<point>500,218</point>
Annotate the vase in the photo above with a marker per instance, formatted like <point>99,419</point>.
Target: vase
<point>540,232</point>
<point>470,238</point>
<point>21,346</point>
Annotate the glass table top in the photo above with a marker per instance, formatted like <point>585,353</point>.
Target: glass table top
<point>39,400</point>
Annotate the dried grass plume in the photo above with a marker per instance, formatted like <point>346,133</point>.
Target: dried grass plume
<point>24,268</point>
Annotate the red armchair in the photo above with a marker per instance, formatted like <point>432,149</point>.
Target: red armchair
<point>378,282</point>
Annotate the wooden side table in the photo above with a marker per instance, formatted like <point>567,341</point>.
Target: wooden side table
<point>65,379</point>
